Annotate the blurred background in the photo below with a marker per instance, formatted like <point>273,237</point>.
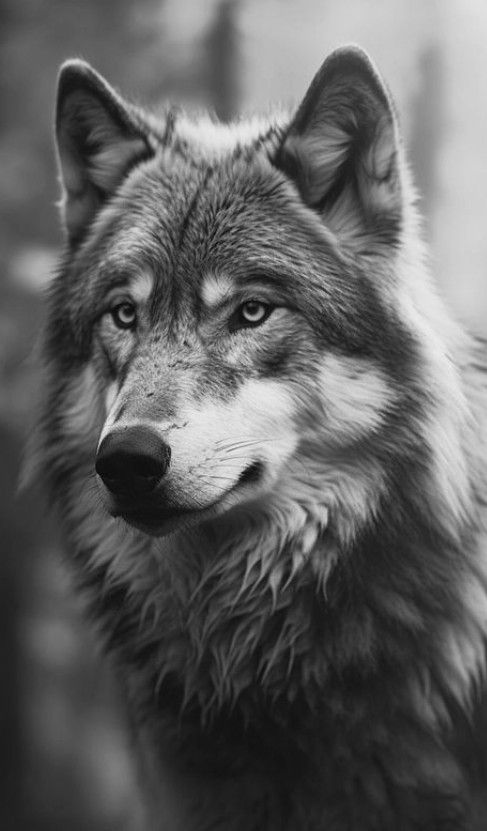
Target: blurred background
<point>62,754</point>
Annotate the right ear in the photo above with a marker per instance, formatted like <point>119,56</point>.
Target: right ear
<point>343,152</point>
<point>99,138</point>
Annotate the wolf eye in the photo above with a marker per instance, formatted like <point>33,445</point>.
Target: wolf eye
<point>124,315</point>
<point>253,313</point>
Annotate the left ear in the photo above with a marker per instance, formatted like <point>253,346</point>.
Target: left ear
<point>99,138</point>
<point>342,150</point>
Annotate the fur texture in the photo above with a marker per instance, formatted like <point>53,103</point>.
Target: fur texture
<point>298,611</point>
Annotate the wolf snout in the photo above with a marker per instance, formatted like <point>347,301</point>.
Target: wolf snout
<point>132,462</point>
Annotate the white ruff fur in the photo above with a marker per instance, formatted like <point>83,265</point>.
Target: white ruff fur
<point>452,431</point>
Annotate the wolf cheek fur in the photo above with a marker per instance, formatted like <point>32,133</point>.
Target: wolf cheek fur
<point>297,602</point>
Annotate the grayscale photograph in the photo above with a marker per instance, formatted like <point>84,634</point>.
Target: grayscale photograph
<point>243,415</point>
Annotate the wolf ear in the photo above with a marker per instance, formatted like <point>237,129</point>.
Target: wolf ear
<point>342,150</point>
<point>98,139</point>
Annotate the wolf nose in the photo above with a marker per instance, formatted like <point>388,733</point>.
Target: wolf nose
<point>132,462</point>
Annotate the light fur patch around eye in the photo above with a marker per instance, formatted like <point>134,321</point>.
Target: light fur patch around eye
<point>215,289</point>
<point>355,395</point>
<point>141,287</point>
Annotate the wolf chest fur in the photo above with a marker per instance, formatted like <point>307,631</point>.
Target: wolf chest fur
<point>263,433</point>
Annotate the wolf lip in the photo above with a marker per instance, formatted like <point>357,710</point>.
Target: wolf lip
<point>155,518</point>
<point>163,522</point>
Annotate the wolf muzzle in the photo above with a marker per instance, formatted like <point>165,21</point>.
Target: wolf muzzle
<point>133,461</point>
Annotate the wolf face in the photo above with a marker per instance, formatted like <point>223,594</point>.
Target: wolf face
<point>262,430</point>
<point>220,288</point>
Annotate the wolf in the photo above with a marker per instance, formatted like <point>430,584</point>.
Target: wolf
<point>265,437</point>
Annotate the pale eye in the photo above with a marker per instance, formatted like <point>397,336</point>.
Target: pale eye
<point>253,312</point>
<point>124,315</point>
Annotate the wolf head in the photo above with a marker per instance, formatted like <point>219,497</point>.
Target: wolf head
<point>225,310</point>
<point>243,317</point>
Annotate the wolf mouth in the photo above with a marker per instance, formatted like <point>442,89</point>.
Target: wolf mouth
<point>251,474</point>
<point>159,520</point>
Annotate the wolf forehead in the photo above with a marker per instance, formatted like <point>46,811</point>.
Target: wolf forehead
<point>183,216</point>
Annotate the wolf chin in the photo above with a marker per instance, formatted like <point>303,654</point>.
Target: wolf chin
<point>263,434</point>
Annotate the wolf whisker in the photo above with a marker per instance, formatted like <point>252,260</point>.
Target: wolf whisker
<point>221,445</point>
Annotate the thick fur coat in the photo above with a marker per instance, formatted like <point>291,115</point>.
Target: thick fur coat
<point>288,565</point>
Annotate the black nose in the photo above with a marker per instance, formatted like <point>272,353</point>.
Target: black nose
<point>132,462</point>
